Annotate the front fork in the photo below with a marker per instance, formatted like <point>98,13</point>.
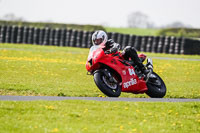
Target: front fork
<point>149,66</point>
<point>109,76</point>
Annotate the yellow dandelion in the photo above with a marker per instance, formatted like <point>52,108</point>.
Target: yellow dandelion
<point>4,50</point>
<point>86,110</point>
<point>101,96</point>
<point>55,130</point>
<point>50,107</point>
<point>121,128</point>
<point>174,124</point>
<point>134,130</point>
<point>149,113</point>
<point>137,110</point>
<point>126,108</point>
<point>85,128</point>
<point>181,125</point>
<point>169,111</point>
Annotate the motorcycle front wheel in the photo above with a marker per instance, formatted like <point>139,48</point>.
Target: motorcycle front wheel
<point>111,89</point>
<point>156,86</point>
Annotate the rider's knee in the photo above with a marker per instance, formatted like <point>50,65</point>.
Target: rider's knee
<point>129,49</point>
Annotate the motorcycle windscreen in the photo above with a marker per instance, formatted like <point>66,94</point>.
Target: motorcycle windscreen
<point>92,49</point>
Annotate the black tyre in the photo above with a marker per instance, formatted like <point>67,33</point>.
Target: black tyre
<point>156,86</point>
<point>108,88</point>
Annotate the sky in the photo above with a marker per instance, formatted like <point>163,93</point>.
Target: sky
<point>112,13</point>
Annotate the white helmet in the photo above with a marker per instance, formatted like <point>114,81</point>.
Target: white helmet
<point>99,38</point>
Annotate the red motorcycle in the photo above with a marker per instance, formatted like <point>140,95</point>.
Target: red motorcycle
<point>113,75</point>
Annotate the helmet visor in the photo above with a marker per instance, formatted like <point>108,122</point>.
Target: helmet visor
<point>98,41</point>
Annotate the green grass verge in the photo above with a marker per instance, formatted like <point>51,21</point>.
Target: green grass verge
<point>60,71</point>
<point>134,31</point>
<point>99,117</point>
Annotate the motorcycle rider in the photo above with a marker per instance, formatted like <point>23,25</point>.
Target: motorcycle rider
<point>100,38</point>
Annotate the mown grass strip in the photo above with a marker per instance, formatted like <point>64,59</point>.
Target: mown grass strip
<point>92,116</point>
<point>134,31</point>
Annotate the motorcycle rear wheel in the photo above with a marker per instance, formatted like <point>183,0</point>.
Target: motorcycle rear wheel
<point>156,86</point>
<point>109,89</point>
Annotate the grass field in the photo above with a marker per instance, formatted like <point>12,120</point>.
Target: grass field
<point>134,31</point>
<point>78,116</point>
<point>60,71</point>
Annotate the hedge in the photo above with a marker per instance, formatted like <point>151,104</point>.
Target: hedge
<point>52,25</point>
<point>180,32</point>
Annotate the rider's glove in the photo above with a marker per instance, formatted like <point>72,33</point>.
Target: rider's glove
<point>110,42</point>
<point>113,50</point>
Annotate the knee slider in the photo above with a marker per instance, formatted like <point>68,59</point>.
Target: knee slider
<point>127,49</point>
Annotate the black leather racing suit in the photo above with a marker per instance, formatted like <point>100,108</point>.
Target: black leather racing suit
<point>128,52</point>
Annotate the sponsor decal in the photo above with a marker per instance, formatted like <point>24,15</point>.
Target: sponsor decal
<point>130,83</point>
<point>131,71</point>
<point>124,72</point>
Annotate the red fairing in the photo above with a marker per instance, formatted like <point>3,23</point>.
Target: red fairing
<point>130,81</point>
<point>142,56</point>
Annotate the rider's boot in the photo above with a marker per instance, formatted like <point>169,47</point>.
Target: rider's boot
<point>143,69</point>
<point>132,53</point>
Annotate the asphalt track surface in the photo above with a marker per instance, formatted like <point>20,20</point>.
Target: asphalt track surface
<point>180,59</point>
<point>56,98</point>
